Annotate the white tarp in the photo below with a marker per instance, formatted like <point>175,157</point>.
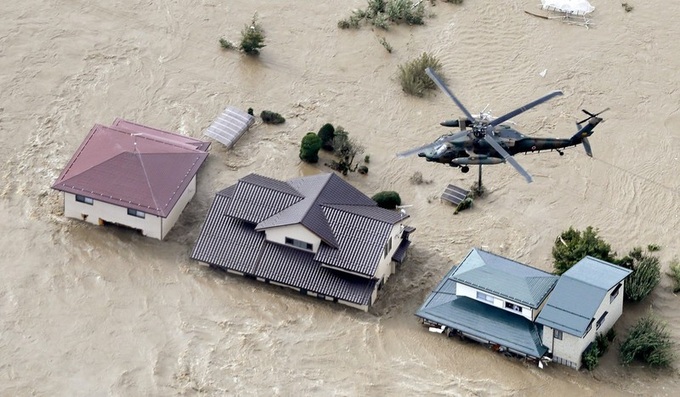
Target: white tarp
<point>576,7</point>
<point>229,126</point>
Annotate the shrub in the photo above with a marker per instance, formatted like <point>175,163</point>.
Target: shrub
<point>417,179</point>
<point>602,343</point>
<point>226,44</point>
<point>653,247</point>
<point>591,357</point>
<point>309,148</point>
<point>363,170</point>
<point>381,12</point>
<point>611,335</point>
<point>367,159</point>
<point>412,76</point>
<point>463,205</point>
<point>645,276</point>
<point>648,341</point>
<point>251,112</point>
<point>385,44</point>
<point>405,11</point>
<point>327,133</point>
<point>674,274</point>
<point>573,245</point>
<point>453,1</point>
<point>252,37</point>
<point>387,199</point>
<point>269,117</point>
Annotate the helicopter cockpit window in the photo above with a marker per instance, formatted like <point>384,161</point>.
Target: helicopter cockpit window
<point>439,150</point>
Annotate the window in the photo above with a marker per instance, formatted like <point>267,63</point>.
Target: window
<point>614,293</point>
<point>512,306</point>
<point>388,246</point>
<point>83,199</point>
<point>557,334</point>
<point>138,214</point>
<point>590,326</point>
<point>299,244</point>
<point>484,297</point>
<point>601,320</point>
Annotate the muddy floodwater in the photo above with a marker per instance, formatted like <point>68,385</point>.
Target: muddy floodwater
<point>89,311</point>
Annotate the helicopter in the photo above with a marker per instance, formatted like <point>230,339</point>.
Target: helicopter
<point>486,140</point>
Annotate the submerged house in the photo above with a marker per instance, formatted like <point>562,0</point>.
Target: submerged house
<point>317,234</point>
<point>587,301</point>
<point>131,175</point>
<point>526,311</point>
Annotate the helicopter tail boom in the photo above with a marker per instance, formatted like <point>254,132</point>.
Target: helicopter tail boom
<point>585,131</point>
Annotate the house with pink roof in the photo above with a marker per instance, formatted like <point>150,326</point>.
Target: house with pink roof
<point>131,175</point>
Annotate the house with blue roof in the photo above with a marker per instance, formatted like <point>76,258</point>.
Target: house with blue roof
<point>587,301</point>
<point>316,234</point>
<point>524,310</point>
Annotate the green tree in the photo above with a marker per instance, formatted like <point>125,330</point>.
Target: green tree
<point>327,133</point>
<point>387,199</point>
<point>645,276</point>
<point>252,37</point>
<point>346,149</point>
<point>309,148</point>
<point>648,341</point>
<point>573,245</point>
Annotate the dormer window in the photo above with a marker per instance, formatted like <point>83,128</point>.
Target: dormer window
<point>299,244</point>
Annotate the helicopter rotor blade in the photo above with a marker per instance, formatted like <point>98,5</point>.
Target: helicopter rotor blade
<point>419,149</point>
<point>506,156</point>
<point>524,108</point>
<point>443,87</point>
<point>590,115</point>
<point>446,138</point>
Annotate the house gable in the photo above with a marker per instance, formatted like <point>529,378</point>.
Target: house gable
<point>294,235</point>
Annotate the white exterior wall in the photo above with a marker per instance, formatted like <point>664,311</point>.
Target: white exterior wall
<point>571,347</point>
<point>298,232</point>
<point>99,211</point>
<point>187,195</point>
<point>464,290</point>
<point>386,266</point>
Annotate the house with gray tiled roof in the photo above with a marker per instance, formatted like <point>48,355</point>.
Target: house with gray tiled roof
<point>526,311</point>
<point>317,234</point>
<point>131,175</point>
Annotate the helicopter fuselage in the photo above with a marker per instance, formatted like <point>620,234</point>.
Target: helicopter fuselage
<point>470,151</point>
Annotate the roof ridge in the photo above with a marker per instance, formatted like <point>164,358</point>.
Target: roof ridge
<point>150,137</point>
<point>146,175</point>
